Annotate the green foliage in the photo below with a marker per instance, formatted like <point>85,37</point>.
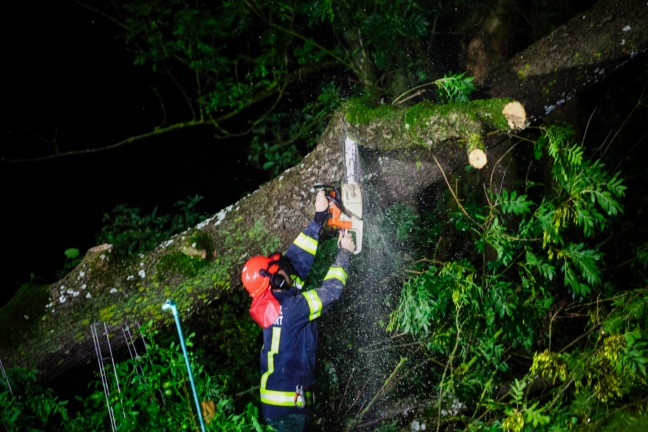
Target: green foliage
<point>228,345</point>
<point>131,233</point>
<point>387,25</point>
<point>72,259</point>
<point>536,260</point>
<point>293,62</point>
<point>281,141</point>
<point>151,391</point>
<point>450,88</point>
<point>587,195</point>
<point>27,406</point>
<point>455,87</point>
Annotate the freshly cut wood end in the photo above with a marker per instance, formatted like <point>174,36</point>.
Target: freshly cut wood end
<point>515,115</point>
<point>477,158</point>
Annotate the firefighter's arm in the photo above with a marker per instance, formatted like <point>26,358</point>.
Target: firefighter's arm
<point>303,249</point>
<point>321,299</point>
<point>337,275</point>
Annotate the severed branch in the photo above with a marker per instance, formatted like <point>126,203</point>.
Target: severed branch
<point>476,149</point>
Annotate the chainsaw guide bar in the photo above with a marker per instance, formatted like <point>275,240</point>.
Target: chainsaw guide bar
<point>345,203</point>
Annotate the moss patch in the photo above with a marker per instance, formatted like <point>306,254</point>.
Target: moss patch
<point>177,262</point>
<point>422,115</point>
<point>357,112</point>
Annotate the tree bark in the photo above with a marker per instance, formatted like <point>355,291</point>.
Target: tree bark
<point>401,150</point>
<point>583,51</point>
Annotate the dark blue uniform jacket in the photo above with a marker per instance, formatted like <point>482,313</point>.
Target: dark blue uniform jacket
<point>289,344</point>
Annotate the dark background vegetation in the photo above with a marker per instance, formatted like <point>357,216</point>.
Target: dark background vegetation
<point>68,81</point>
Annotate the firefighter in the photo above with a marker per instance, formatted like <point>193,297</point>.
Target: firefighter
<point>288,316</point>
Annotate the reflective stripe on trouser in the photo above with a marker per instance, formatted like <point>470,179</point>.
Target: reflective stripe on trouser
<point>284,398</point>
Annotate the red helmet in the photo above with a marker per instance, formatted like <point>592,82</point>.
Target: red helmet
<point>256,273</point>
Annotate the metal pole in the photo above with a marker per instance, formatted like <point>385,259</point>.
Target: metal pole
<point>4,375</point>
<point>170,305</point>
<point>103,374</point>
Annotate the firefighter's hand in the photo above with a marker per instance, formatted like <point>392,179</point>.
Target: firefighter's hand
<point>321,203</point>
<point>346,241</point>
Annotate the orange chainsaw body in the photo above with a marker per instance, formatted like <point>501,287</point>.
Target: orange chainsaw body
<point>335,213</point>
<point>349,217</point>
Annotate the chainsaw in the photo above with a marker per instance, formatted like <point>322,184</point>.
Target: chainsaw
<point>345,201</point>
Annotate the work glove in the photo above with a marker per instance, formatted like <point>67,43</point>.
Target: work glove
<point>321,208</point>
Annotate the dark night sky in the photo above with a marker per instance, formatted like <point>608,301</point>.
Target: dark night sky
<point>64,70</point>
